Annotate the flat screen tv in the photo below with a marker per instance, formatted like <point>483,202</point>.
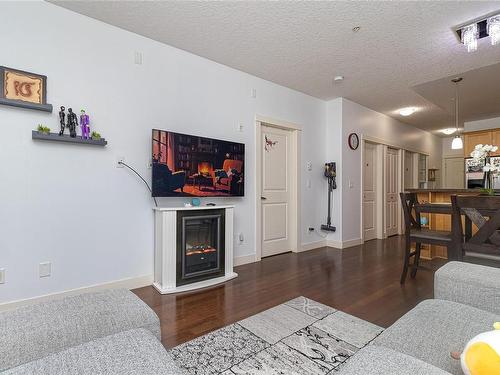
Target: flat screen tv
<point>191,166</point>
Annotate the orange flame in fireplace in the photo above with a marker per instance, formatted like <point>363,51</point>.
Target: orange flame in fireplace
<point>205,167</point>
<point>201,251</point>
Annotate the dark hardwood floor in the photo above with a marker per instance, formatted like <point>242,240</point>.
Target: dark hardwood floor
<point>362,280</point>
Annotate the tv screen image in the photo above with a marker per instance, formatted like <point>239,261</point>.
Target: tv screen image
<point>188,165</point>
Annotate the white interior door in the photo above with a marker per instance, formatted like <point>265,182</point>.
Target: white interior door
<point>369,191</point>
<point>391,192</point>
<point>276,190</point>
<point>454,173</point>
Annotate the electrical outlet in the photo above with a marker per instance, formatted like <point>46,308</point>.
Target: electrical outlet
<point>240,127</point>
<point>309,166</point>
<point>149,165</point>
<point>44,269</point>
<point>2,275</point>
<point>310,229</point>
<point>120,159</point>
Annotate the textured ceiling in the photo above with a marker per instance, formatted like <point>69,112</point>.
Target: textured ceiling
<point>302,45</point>
<point>479,94</point>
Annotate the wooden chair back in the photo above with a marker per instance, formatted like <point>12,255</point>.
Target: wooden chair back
<point>484,213</point>
<point>409,203</point>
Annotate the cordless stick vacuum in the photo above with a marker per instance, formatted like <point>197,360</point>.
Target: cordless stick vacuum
<point>330,174</point>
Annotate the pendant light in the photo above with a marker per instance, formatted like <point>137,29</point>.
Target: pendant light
<point>457,143</point>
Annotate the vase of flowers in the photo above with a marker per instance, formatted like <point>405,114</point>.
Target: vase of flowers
<point>482,156</point>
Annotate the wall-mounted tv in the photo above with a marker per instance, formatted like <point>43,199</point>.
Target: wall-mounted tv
<point>192,166</point>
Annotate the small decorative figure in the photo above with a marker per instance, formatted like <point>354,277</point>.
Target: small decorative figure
<point>62,115</point>
<point>72,123</point>
<point>85,124</point>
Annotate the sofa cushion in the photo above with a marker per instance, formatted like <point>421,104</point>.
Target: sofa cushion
<point>134,352</point>
<point>35,331</point>
<point>433,329</point>
<point>470,284</point>
<point>377,360</point>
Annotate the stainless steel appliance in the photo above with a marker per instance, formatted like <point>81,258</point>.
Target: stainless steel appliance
<point>474,175</point>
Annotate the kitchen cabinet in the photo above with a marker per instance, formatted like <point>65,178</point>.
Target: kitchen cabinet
<point>480,137</point>
<point>495,140</point>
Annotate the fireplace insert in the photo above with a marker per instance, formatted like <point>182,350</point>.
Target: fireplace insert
<point>200,245</point>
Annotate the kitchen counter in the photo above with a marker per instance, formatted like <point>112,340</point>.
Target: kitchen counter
<point>450,191</point>
<point>438,221</point>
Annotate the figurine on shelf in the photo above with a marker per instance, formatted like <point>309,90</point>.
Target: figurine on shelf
<point>85,124</point>
<point>62,115</point>
<point>72,123</point>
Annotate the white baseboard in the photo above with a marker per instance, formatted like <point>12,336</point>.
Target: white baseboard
<point>334,243</point>
<point>129,283</point>
<point>351,243</point>
<point>245,259</point>
<point>344,244</point>
<point>313,245</point>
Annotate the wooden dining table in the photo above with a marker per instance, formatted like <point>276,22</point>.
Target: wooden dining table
<point>446,209</point>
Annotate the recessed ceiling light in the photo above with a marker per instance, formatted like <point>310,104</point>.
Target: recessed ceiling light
<point>407,111</point>
<point>338,78</point>
<point>356,29</point>
<point>448,131</point>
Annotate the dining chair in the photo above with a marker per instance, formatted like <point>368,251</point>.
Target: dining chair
<point>414,233</point>
<point>484,213</point>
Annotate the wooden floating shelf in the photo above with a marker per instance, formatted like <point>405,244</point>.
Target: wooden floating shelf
<point>55,137</point>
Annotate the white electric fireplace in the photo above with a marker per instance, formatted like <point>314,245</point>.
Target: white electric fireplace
<point>193,247</point>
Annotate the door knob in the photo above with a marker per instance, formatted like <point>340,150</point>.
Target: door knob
<point>263,198</point>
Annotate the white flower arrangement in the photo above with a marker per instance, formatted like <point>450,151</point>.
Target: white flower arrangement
<point>491,168</point>
<point>481,153</point>
<point>481,156</point>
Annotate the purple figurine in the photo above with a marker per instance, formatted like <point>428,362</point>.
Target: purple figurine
<point>85,124</point>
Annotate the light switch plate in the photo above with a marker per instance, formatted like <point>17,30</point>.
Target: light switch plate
<point>2,275</point>
<point>44,269</point>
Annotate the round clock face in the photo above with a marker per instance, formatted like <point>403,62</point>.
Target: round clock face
<point>353,141</point>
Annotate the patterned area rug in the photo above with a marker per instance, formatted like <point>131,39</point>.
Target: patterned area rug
<point>300,336</point>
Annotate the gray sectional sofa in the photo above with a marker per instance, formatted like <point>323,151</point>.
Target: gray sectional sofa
<point>110,332</point>
<point>467,302</point>
<point>114,332</point>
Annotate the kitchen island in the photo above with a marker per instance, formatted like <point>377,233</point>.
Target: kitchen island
<point>438,221</point>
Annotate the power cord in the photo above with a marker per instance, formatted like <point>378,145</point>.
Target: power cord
<point>319,234</point>
<point>133,170</point>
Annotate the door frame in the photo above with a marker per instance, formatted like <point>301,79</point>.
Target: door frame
<point>378,189</point>
<point>295,135</point>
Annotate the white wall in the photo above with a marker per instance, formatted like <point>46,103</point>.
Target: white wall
<point>68,204</point>
<point>447,151</point>
<point>334,153</point>
<point>366,122</point>
<point>490,123</point>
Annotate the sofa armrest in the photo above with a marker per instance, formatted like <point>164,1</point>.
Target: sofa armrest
<point>378,360</point>
<point>469,284</point>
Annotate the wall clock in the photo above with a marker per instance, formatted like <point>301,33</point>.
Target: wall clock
<point>353,141</point>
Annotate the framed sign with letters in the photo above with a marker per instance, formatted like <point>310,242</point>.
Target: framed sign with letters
<point>23,89</point>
